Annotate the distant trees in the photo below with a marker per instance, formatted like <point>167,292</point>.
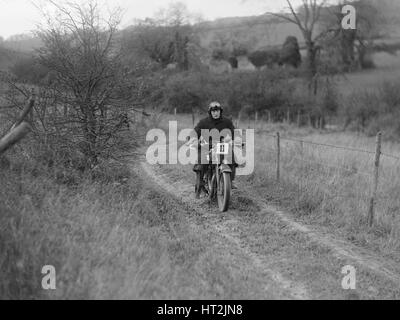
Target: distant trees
<point>29,69</point>
<point>371,25</point>
<point>352,48</point>
<point>226,47</point>
<point>289,54</point>
<point>307,18</point>
<point>165,39</point>
<point>262,58</point>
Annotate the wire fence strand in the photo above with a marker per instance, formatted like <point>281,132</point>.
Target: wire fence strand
<point>334,146</point>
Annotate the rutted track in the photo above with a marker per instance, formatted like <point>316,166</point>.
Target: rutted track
<point>234,233</point>
<point>225,228</point>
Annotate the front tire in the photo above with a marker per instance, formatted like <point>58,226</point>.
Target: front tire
<point>224,191</point>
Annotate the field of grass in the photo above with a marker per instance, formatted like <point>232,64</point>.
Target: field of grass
<point>116,235</point>
<point>331,187</point>
<point>100,238</point>
<point>326,187</point>
<point>113,235</point>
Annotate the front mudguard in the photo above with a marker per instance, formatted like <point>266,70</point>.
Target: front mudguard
<point>225,168</point>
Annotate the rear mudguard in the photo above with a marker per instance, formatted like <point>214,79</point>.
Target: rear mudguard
<point>225,168</point>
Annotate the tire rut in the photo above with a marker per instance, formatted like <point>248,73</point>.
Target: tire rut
<point>226,227</point>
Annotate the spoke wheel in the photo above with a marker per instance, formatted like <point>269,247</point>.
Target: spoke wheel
<point>224,191</point>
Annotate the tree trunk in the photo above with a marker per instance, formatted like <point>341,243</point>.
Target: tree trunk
<point>312,67</point>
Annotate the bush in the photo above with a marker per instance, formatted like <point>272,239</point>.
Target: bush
<point>185,92</point>
<point>264,58</point>
<point>262,91</point>
<point>290,53</point>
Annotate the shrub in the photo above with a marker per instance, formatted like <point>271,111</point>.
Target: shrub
<point>290,53</point>
<point>260,91</point>
<point>262,58</point>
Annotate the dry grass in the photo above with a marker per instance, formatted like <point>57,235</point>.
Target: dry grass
<point>102,240</point>
<point>331,187</point>
<point>115,238</point>
<point>326,187</point>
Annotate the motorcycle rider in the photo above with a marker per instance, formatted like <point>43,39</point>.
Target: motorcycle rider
<point>215,120</point>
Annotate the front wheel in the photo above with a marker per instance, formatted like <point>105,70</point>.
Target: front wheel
<point>224,191</point>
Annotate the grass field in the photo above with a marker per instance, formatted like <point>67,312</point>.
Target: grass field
<point>117,235</point>
<point>114,237</point>
<point>332,187</point>
<point>322,186</point>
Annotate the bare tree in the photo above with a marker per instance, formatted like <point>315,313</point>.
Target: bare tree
<point>87,103</point>
<point>167,38</point>
<point>307,19</point>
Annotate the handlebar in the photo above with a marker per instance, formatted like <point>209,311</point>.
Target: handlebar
<point>194,144</point>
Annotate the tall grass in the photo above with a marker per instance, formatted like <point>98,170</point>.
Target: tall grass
<point>332,187</point>
<point>95,234</point>
<point>110,234</point>
<point>106,232</point>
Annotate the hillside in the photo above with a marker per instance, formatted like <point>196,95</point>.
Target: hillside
<point>22,43</point>
<point>8,57</point>
<point>255,31</point>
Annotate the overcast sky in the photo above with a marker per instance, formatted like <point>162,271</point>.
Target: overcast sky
<point>21,16</point>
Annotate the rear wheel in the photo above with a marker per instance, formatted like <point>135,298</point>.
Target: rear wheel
<point>224,191</point>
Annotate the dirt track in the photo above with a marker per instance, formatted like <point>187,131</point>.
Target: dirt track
<point>290,261</point>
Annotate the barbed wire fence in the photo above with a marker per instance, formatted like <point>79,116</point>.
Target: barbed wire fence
<point>372,173</point>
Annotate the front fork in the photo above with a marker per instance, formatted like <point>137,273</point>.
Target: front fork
<point>221,168</point>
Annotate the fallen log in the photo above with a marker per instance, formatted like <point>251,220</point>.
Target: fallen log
<point>15,135</point>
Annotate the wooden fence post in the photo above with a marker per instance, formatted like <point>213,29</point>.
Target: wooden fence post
<point>278,155</point>
<point>14,136</point>
<point>302,165</point>
<point>376,178</point>
<point>20,128</point>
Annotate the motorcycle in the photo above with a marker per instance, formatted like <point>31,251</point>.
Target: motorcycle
<point>218,173</point>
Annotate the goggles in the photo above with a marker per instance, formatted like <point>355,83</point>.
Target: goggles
<point>215,109</point>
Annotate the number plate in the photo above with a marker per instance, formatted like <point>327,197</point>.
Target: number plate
<point>222,148</point>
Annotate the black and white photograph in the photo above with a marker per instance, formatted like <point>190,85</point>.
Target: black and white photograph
<point>198,154</point>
